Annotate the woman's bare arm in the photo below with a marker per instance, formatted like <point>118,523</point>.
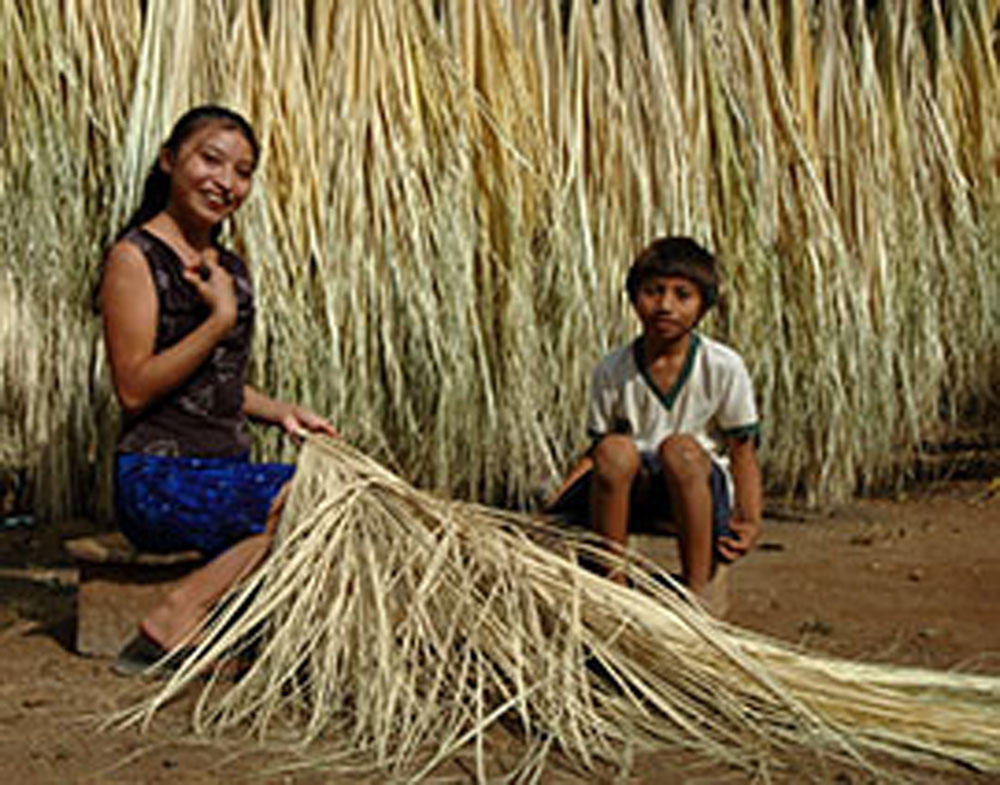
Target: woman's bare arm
<point>130,313</point>
<point>296,420</point>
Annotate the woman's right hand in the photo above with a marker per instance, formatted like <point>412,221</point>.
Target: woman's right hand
<point>215,286</point>
<point>130,307</point>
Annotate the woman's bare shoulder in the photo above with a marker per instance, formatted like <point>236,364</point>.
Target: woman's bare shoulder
<point>126,250</point>
<point>126,270</point>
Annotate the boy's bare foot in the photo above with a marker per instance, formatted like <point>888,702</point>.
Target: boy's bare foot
<point>714,595</point>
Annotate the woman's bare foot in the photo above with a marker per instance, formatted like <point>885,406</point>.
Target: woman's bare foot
<point>179,618</point>
<point>172,623</point>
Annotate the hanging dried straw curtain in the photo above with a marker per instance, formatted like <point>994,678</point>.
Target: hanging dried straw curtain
<point>450,193</point>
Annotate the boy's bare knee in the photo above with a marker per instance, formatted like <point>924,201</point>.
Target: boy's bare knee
<point>684,459</point>
<point>616,459</point>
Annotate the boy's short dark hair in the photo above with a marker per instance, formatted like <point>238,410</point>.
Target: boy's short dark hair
<point>675,256</point>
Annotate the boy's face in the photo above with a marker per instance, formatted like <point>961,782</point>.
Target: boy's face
<point>668,306</point>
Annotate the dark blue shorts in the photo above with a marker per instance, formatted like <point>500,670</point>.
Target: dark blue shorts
<point>650,505</point>
<point>204,504</point>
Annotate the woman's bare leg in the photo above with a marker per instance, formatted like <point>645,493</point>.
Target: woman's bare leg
<point>179,617</point>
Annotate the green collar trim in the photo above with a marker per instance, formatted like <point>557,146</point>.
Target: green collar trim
<point>670,396</point>
<point>751,431</point>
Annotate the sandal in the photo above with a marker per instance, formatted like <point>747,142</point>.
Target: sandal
<point>143,655</point>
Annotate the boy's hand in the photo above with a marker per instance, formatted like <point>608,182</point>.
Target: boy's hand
<point>744,539</point>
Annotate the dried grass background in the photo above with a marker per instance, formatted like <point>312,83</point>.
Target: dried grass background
<point>451,191</point>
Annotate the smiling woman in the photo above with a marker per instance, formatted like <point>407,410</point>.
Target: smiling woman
<point>210,175</point>
<point>178,313</point>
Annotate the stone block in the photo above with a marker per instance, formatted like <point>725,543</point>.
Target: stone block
<point>118,585</point>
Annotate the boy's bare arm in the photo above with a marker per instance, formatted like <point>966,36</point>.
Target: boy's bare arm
<point>748,509</point>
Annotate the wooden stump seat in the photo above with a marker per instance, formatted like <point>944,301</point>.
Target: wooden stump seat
<point>118,585</point>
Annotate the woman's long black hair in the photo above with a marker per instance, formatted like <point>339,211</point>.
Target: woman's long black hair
<point>156,189</point>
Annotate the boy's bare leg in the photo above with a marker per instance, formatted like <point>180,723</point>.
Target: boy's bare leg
<point>187,605</point>
<point>616,464</point>
<point>687,469</point>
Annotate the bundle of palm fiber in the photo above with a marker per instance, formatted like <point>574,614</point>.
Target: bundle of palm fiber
<point>392,629</point>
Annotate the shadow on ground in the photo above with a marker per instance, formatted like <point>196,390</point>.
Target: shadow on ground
<point>45,600</point>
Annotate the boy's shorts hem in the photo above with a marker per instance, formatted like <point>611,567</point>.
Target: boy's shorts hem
<point>651,513</point>
<point>168,504</point>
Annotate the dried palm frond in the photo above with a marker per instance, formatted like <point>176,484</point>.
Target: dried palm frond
<point>393,629</point>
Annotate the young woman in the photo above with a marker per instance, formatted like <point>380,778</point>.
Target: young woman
<point>178,313</point>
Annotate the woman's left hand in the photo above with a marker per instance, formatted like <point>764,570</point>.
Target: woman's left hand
<point>299,421</point>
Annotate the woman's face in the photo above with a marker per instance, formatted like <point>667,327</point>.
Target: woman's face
<point>210,175</point>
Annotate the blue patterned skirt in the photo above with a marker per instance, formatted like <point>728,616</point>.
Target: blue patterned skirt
<point>205,504</point>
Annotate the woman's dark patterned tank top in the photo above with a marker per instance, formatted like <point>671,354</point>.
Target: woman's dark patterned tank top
<point>203,417</point>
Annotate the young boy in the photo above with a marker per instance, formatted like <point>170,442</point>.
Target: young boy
<point>673,422</point>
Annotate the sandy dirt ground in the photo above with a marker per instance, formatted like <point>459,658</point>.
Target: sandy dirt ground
<point>912,580</point>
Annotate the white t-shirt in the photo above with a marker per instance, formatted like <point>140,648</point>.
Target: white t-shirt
<point>711,399</point>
